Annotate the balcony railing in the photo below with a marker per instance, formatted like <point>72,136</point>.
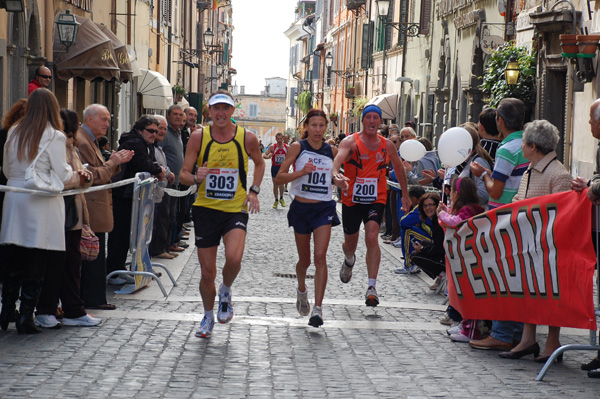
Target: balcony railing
<point>354,4</point>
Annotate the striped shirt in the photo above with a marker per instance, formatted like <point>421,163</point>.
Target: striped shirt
<point>491,146</point>
<point>509,168</point>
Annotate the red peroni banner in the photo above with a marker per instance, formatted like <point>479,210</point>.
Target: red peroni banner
<point>531,261</point>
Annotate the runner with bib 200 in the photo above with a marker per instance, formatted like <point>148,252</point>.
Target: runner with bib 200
<point>313,210</point>
<point>365,156</point>
<point>277,152</point>
<point>220,153</point>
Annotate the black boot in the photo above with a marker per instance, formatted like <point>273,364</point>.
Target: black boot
<point>10,294</point>
<point>30,292</point>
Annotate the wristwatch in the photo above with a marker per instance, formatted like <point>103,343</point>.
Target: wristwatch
<point>255,189</point>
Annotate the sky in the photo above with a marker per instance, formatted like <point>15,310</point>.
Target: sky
<point>260,48</point>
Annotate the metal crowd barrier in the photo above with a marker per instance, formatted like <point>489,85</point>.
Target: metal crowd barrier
<point>142,216</point>
<point>593,346</point>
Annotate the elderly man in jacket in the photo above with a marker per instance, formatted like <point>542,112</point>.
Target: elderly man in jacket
<point>93,274</point>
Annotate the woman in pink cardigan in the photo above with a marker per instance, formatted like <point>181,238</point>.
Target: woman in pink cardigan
<point>465,204</point>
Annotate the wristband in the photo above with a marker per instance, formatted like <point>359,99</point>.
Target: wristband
<point>485,172</point>
<point>195,180</point>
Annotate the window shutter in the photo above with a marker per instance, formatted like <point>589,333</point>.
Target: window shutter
<point>389,30</point>
<point>367,45</point>
<point>425,20</point>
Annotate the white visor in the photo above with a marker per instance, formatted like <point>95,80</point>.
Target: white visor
<point>220,99</point>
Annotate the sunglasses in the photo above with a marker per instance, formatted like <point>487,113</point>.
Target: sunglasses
<point>394,141</point>
<point>45,76</point>
<point>153,131</point>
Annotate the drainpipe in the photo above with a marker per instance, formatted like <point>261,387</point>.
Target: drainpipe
<point>49,29</point>
<point>404,43</point>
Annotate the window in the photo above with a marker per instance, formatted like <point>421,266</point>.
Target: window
<point>425,22</point>
<point>253,110</point>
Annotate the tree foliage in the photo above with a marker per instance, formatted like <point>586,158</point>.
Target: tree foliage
<point>494,82</point>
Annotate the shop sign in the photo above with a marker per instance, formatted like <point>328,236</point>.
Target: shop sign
<point>447,7</point>
<point>489,43</point>
<point>466,20</point>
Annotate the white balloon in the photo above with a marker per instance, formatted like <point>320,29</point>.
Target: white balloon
<point>454,146</point>
<point>412,150</point>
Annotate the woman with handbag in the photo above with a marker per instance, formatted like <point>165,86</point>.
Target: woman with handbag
<point>33,225</point>
<point>63,276</point>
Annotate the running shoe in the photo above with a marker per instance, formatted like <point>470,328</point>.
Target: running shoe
<point>446,320</point>
<point>371,298</point>
<point>225,312</point>
<point>408,270</point>
<point>46,321</point>
<point>282,202</point>
<point>316,318</point>
<point>460,337</point>
<point>83,321</point>
<point>455,329</point>
<point>275,204</point>
<point>436,283</point>
<point>302,303</point>
<point>206,327</point>
<point>346,271</point>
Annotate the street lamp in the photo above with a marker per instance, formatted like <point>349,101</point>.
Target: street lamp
<point>412,30</point>
<point>329,63</point>
<point>208,38</point>
<point>67,27</point>
<point>329,60</point>
<point>12,5</point>
<point>511,73</point>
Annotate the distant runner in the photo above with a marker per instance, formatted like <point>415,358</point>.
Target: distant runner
<point>277,152</point>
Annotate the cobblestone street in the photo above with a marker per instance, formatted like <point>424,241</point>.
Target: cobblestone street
<point>147,348</point>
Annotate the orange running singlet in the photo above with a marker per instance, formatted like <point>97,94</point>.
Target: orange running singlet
<point>366,171</point>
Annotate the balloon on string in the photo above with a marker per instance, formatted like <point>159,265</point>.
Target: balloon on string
<point>454,146</point>
<point>412,150</point>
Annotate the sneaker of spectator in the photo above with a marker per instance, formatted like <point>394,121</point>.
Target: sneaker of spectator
<point>446,320</point>
<point>46,321</point>
<point>83,321</point>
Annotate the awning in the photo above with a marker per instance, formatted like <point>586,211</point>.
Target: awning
<point>91,57</point>
<point>155,89</point>
<point>183,103</point>
<point>388,104</point>
<point>120,53</point>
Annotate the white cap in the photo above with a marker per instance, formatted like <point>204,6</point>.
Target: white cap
<point>220,98</point>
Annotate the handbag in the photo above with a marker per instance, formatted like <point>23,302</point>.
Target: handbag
<point>89,245</point>
<point>71,215</point>
<point>34,180</point>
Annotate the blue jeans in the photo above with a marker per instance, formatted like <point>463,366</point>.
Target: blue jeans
<point>507,331</point>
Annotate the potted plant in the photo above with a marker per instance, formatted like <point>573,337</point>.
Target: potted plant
<point>205,113</point>
<point>350,91</point>
<point>569,44</point>
<point>304,101</point>
<point>333,116</point>
<point>179,92</point>
<point>359,105</point>
<point>587,44</point>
